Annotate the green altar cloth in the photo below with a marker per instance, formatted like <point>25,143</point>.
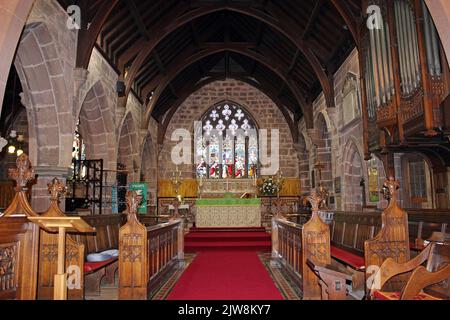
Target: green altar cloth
<point>228,202</point>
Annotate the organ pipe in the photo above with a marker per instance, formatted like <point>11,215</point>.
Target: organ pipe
<point>431,43</point>
<point>408,47</point>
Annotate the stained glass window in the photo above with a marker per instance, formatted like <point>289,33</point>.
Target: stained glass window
<point>228,146</point>
<point>79,148</point>
<point>78,152</point>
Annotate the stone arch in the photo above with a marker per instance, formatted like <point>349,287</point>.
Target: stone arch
<point>46,97</point>
<point>323,152</point>
<point>128,150</point>
<point>353,172</point>
<point>149,167</point>
<point>379,166</point>
<point>97,126</point>
<point>259,105</point>
<point>304,168</point>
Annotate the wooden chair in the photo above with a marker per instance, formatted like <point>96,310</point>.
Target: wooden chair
<point>425,283</point>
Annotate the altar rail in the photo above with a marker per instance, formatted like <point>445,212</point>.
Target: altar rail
<point>293,245</point>
<point>147,256</point>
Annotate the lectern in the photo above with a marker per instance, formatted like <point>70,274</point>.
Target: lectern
<point>62,225</point>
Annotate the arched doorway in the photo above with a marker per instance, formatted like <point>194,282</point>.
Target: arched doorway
<point>354,177</point>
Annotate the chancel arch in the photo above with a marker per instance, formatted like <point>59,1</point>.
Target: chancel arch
<point>258,105</point>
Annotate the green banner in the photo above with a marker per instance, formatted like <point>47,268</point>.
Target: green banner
<point>141,188</point>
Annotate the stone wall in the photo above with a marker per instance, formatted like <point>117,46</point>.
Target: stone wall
<point>262,109</point>
<point>339,145</point>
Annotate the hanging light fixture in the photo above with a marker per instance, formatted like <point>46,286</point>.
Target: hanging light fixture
<point>12,142</point>
<point>20,140</point>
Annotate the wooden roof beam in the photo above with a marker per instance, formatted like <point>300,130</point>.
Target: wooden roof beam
<point>88,37</point>
<point>277,20</point>
<point>312,19</point>
<point>137,19</point>
<point>183,63</point>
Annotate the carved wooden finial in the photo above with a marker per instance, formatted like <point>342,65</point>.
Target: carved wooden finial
<point>56,189</point>
<point>315,199</point>
<point>23,174</point>
<point>133,202</point>
<point>392,185</point>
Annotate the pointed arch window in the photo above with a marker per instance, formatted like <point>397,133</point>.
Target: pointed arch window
<point>228,144</point>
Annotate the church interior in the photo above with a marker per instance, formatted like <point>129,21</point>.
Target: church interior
<point>224,150</point>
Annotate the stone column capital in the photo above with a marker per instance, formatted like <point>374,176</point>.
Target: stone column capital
<point>80,74</point>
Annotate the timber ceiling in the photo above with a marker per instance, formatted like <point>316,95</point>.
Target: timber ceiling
<point>166,49</point>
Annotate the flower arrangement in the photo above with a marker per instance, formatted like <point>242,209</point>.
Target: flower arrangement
<point>269,187</point>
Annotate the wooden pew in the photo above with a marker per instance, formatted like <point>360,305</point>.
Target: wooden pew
<point>19,239</point>
<point>106,238</point>
<point>435,276</point>
<point>393,239</point>
<point>293,245</point>
<point>147,254</point>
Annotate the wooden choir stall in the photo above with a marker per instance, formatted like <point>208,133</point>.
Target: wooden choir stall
<point>293,245</point>
<point>19,239</point>
<point>147,254</point>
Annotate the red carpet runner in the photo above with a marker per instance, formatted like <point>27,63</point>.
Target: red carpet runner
<point>227,267</point>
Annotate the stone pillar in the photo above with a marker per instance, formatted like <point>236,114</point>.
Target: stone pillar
<point>80,76</point>
<point>40,200</point>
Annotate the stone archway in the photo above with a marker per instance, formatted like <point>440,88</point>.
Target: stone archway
<point>353,172</point>
<point>304,169</point>
<point>127,153</point>
<point>323,153</point>
<point>97,126</point>
<point>149,168</point>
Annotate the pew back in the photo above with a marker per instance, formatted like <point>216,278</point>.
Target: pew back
<point>293,245</point>
<point>18,258</point>
<point>19,239</point>
<point>106,236</point>
<point>146,255</point>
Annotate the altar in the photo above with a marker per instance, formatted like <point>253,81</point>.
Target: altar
<point>228,212</point>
